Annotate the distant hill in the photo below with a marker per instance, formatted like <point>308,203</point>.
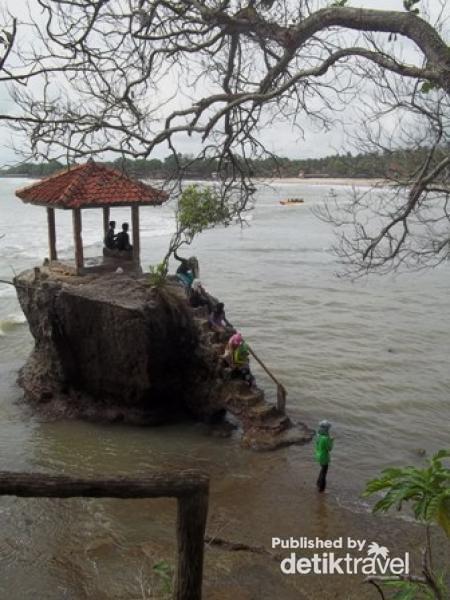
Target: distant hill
<point>346,165</point>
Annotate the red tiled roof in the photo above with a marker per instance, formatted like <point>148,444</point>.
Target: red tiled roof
<point>90,186</point>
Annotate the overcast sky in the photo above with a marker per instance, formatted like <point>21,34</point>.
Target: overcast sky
<point>282,140</point>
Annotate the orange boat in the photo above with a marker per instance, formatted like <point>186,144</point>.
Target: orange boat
<point>292,201</point>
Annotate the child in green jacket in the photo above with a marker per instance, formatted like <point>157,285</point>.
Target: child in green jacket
<point>323,447</point>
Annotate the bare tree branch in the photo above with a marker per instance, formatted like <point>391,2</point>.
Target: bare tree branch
<point>131,76</point>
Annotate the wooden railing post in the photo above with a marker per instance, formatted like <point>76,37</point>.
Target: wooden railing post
<point>191,526</point>
<point>281,398</point>
<point>281,390</point>
<point>189,487</point>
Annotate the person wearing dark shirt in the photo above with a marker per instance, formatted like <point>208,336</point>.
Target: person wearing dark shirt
<point>110,237</point>
<point>218,321</point>
<point>123,239</point>
<point>198,296</point>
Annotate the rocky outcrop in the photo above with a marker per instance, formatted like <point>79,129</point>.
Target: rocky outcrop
<point>110,347</point>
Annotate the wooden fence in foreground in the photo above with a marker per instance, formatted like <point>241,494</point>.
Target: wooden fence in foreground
<point>189,487</point>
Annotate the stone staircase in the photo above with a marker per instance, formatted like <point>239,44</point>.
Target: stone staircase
<point>264,427</point>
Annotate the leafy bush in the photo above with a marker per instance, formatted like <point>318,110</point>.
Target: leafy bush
<point>428,489</point>
<point>158,275</point>
<point>428,492</point>
<point>200,209</point>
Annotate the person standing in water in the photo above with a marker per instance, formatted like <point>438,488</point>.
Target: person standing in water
<point>323,447</point>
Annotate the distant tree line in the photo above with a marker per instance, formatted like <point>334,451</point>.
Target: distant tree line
<point>373,165</point>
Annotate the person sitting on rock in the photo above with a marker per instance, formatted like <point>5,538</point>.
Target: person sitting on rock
<point>188,270</point>
<point>232,343</point>
<point>110,237</point>
<point>218,321</point>
<point>198,296</point>
<point>123,239</point>
<point>237,355</point>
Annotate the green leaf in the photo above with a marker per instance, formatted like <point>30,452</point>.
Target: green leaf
<point>427,490</point>
<point>165,572</point>
<point>427,87</point>
<point>440,455</point>
<point>409,6</point>
<point>442,515</point>
<point>408,590</point>
<point>158,275</point>
<point>200,209</point>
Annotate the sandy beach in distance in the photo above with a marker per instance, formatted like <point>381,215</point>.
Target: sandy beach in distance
<point>325,181</point>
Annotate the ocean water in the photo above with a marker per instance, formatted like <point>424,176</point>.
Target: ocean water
<point>372,356</point>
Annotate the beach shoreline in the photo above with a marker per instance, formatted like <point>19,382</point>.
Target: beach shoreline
<point>328,181</point>
<point>316,181</point>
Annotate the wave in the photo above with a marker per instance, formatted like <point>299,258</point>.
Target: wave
<point>11,322</point>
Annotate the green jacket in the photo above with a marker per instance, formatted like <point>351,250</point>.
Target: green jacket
<point>240,355</point>
<point>323,447</point>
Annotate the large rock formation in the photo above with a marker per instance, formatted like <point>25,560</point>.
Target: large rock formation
<point>110,347</point>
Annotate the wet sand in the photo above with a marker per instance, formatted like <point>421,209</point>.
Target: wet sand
<point>282,502</point>
<point>272,495</point>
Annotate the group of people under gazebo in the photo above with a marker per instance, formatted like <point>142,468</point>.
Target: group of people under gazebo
<point>94,186</point>
<point>118,241</point>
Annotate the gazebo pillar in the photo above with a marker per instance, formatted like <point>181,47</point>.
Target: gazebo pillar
<point>136,238</point>
<point>106,219</point>
<point>51,233</point>
<point>78,241</point>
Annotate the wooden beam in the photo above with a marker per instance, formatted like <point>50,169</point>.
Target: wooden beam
<point>190,487</point>
<point>78,240</point>
<point>106,219</point>
<point>191,526</point>
<point>177,484</point>
<point>51,233</point>
<point>136,236</point>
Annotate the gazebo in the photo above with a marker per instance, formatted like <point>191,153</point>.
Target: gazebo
<point>90,185</point>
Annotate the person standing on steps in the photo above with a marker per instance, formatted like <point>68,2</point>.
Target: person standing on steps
<point>198,296</point>
<point>217,320</point>
<point>237,357</point>
<point>323,447</point>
